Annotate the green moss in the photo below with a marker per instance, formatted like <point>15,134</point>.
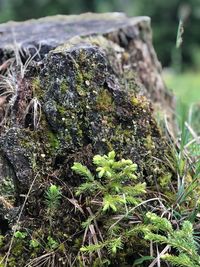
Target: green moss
<point>1,241</point>
<point>18,247</point>
<point>134,101</point>
<point>53,140</point>
<point>61,110</point>
<point>81,90</point>
<point>36,88</point>
<point>104,101</point>
<point>11,261</point>
<point>7,190</point>
<point>165,180</point>
<point>140,101</point>
<point>63,87</point>
<point>80,86</point>
<point>148,142</point>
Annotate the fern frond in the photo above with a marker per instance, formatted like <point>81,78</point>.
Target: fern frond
<point>88,187</point>
<point>112,201</point>
<point>161,223</point>
<point>114,244</point>
<point>92,248</point>
<point>136,190</point>
<point>182,260</point>
<point>156,238</point>
<point>83,171</point>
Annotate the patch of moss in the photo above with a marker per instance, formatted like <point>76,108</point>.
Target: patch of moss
<point>149,143</point>
<point>63,87</point>
<point>61,110</point>
<point>53,141</point>
<point>36,88</point>
<point>104,101</point>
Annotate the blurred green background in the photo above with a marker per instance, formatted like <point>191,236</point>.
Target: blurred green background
<point>181,66</point>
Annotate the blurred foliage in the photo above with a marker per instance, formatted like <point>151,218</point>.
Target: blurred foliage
<point>165,17</point>
<point>185,86</point>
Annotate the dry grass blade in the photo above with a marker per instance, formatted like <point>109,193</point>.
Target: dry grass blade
<point>94,237</point>
<point>159,255</point>
<point>47,259</point>
<point>35,107</point>
<point>74,202</point>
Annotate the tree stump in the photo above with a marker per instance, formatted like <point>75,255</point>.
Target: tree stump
<point>72,87</point>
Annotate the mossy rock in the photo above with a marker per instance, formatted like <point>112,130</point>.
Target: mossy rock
<point>94,86</point>
<point>96,108</point>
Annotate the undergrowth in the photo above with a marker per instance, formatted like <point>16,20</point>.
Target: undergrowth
<point>122,222</point>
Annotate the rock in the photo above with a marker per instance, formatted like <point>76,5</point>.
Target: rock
<point>93,86</point>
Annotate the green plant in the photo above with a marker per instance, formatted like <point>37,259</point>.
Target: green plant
<point>182,240</point>
<point>34,243</point>
<point>110,196</point>
<point>114,179</point>
<point>20,235</point>
<point>52,199</point>
<point>52,244</point>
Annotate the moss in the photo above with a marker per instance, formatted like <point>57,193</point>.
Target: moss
<point>53,140</point>
<point>63,87</point>
<point>36,88</point>
<point>11,261</point>
<point>165,180</point>
<point>134,100</point>
<point>7,190</point>
<point>139,101</point>
<point>18,247</point>
<point>81,90</point>
<point>61,110</point>
<point>149,143</point>
<point>104,101</point>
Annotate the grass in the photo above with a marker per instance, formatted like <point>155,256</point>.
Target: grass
<point>186,86</point>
